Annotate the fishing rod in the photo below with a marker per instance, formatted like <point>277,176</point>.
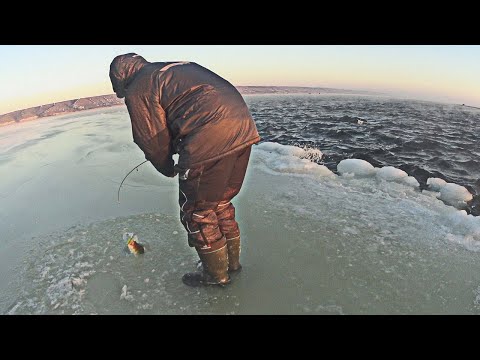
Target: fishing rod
<point>136,167</point>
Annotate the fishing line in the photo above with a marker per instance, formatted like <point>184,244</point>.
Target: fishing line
<point>118,195</point>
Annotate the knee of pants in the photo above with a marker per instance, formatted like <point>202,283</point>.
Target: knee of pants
<point>202,227</point>
<point>202,211</point>
<point>225,212</point>
<point>200,244</point>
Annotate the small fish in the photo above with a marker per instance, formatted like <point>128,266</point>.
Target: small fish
<point>133,246</point>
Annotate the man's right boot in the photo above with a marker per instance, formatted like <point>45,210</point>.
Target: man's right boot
<point>229,227</point>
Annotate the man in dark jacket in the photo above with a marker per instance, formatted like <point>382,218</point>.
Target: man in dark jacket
<point>184,108</point>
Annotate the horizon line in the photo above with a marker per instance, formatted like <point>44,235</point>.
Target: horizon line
<point>237,86</point>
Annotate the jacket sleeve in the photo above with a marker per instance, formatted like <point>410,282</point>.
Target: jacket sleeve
<point>158,152</point>
<point>151,134</point>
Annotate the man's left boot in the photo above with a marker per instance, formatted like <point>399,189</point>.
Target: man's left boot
<point>214,269</point>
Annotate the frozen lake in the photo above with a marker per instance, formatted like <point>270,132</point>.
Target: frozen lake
<point>312,243</point>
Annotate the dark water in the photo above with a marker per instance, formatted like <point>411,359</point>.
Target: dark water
<point>424,139</point>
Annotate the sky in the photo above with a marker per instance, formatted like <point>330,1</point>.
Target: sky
<point>33,75</point>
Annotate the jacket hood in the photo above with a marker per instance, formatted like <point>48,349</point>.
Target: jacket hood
<point>123,70</point>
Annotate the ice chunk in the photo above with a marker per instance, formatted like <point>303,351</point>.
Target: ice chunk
<point>356,167</point>
<point>390,173</point>
<point>281,149</point>
<point>434,184</point>
<point>455,195</point>
<point>292,159</point>
<point>410,180</point>
<point>126,294</point>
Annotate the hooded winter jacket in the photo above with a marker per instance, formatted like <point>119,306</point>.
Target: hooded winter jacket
<point>181,107</point>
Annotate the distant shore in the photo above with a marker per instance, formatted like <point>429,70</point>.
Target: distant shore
<point>102,101</point>
<point>63,107</point>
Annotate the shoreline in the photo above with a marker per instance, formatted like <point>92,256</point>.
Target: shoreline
<point>60,108</point>
<point>29,120</point>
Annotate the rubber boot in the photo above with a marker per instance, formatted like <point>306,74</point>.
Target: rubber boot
<point>225,212</point>
<point>233,248</point>
<point>214,272</point>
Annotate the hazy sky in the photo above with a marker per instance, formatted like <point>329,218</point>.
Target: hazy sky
<point>40,74</point>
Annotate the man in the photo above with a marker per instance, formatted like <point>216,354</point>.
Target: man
<point>184,108</point>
